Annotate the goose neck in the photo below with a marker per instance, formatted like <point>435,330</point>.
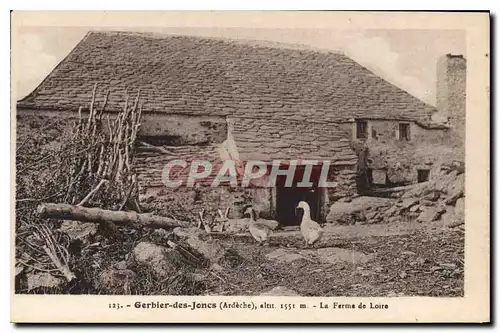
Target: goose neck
<point>307,213</point>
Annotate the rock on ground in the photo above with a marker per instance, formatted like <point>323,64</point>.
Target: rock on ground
<point>455,189</point>
<point>280,291</point>
<point>431,213</point>
<point>43,279</point>
<point>236,225</point>
<point>450,218</point>
<point>78,230</point>
<point>328,255</point>
<point>164,262</point>
<point>198,240</point>
<point>346,212</point>
<point>441,198</point>
<point>284,255</point>
<point>116,281</point>
<point>460,207</point>
<point>409,203</point>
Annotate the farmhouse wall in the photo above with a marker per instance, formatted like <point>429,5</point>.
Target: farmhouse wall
<point>426,149</point>
<point>156,128</point>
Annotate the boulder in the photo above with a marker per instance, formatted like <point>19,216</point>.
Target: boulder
<point>162,233</point>
<point>450,210</point>
<point>374,217</point>
<point>455,190</point>
<point>164,262</point>
<point>416,191</point>
<point>120,265</point>
<point>432,196</point>
<point>116,281</point>
<point>280,291</point>
<point>450,218</point>
<point>394,219</point>
<point>442,184</point>
<point>414,208</point>
<point>43,280</point>
<point>18,270</point>
<point>427,202</point>
<point>408,203</point>
<point>430,213</point>
<point>393,210</point>
<point>460,207</point>
<point>78,230</point>
<point>236,225</point>
<point>434,189</point>
<point>371,215</point>
<point>283,255</point>
<point>201,242</point>
<point>346,212</point>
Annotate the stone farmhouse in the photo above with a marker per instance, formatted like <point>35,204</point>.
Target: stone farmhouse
<point>214,99</point>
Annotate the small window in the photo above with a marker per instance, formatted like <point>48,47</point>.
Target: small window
<point>404,132</point>
<point>374,133</point>
<point>422,175</point>
<point>379,177</point>
<point>361,129</point>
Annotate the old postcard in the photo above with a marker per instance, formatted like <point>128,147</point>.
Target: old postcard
<point>250,167</point>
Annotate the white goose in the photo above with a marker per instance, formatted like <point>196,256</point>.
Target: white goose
<point>259,231</point>
<point>310,230</point>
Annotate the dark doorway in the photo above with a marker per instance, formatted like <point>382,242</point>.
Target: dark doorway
<point>422,175</point>
<point>287,199</point>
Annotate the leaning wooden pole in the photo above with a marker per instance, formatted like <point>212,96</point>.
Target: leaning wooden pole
<point>97,215</point>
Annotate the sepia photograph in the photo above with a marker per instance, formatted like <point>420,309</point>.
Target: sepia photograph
<point>237,161</point>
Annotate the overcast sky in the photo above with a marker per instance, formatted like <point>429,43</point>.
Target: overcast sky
<point>406,58</point>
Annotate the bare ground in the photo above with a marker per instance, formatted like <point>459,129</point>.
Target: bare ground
<point>404,260</point>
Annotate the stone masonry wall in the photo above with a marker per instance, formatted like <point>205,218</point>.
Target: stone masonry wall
<point>168,129</point>
<point>186,202</point>
<point>400,159</point>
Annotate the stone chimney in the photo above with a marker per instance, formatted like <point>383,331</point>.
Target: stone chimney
<point>451,91</point>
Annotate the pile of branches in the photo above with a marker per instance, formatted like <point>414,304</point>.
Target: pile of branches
<point>101,168</point>
<point>93,165</point>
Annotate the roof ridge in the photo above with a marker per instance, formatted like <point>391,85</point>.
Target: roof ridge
<point>231,40</point>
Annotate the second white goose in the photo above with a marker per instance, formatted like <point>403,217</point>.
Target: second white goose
<point>310,230</point>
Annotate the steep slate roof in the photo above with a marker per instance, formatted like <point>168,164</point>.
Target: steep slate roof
<point>269,139</point>
<point>195,75</point>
